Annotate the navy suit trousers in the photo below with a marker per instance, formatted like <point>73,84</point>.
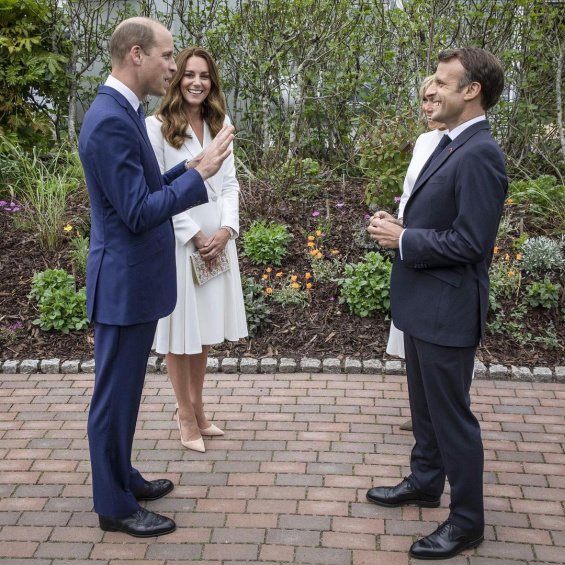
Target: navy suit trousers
<point>121,354</point>
<point>447,433</point>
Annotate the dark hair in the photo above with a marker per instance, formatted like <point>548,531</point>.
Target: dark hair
<point>482,67</point>
<point>135,31</point>
<point>171,110</point>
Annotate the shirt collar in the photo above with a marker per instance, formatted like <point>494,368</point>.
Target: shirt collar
<point>462,127</point>
<point>125,91</point>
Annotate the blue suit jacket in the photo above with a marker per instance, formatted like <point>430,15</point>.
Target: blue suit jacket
<point>439,290</point>
<point>131,277</point>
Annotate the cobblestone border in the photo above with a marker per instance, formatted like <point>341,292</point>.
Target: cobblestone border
<point>250,365</point>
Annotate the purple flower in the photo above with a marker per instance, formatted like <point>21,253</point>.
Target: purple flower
<point>366,216</point>
<point>397,199</point>
<point>14,209</point>
<point>339,204</point>
<point>315,214</point>
<point>3,203</point>
<point>331,298</point>
<point>16,326</point>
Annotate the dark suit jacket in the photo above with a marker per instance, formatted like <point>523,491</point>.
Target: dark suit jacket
<point>131,276</point>
<point>439,290</point>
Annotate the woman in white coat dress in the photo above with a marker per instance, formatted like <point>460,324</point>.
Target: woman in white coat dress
<point>189,116</point>
<point>423,148</point>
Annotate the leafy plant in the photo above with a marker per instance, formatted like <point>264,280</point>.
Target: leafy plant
<point>365,287</point>
<point>504,283</point>
<point>287,295</point>
<point>544,294</point>
<point>60,307</point>
<point>257,310</point>
<point>266,243</point>
<point>541,254</point>
<point>326,270</point>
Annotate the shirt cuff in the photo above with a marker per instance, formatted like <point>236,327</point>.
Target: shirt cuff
<point>400,243</point>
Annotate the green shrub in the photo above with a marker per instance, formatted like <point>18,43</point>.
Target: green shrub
<point>365,287</point>
<point>326,270</point>
<point>266,243</point>
<point>541,254</point>
<point>60,307</point>
<point>504,283</point>
<point>257,311</point>
<point>79,254</point>
<point>544,199</point>
<point>544,294</point>
<point>292,297</point>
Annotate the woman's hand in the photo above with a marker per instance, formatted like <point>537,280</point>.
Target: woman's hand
<point>214,245</point>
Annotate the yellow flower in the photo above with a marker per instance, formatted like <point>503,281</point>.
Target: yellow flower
<point>279,274</point>
<point>268,269</point>
<point>269,290</point>
<point>334,252</point>
<point>518,256</point>
<point>509,201</point>
<point>311,244</point>
<point>308,285</point>
<point>68,227</point>
<point>510,273</point>
<point>318,233</point>
<point>496,250</point>
<point>293,278</point>
<point>295,285</point>
<point>308,276</point>
<point>264,277</point>
<point>311,238</point>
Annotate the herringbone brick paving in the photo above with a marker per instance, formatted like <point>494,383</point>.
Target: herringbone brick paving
<point>287,482</point>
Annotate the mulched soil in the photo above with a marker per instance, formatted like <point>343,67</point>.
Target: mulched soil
<point>323,329</point>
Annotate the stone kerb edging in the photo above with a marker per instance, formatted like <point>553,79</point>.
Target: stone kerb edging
<point>250,365</point>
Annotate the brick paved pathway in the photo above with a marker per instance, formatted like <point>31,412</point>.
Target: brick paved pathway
<point>286,484</point>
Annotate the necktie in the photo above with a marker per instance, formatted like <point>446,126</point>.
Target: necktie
<point>141,115</point>
<point>443,143</point>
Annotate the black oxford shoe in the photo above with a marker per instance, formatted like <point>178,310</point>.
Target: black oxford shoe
<point>446,542</point>
<point>155,489</point>
<point>141,524</point>
<point>401,495</point>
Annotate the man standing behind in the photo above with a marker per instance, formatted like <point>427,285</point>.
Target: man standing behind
<point>439,298</point>
<point>131,280</point>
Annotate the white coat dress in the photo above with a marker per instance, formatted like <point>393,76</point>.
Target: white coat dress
<point>215,311</point>
<point>423,148</point>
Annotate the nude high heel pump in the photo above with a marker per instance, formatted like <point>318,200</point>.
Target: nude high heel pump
<point>195,445</point>
<point>212,430</point>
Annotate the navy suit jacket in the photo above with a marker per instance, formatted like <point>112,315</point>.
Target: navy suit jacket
<point>439,290</point>
<point>131,277</point>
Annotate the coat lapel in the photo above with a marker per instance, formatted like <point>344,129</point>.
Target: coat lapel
<point>193,147</point>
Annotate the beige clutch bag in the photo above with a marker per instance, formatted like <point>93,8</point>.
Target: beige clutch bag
<point>203,271</point>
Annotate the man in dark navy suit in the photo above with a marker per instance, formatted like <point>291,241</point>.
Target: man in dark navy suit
<point>439,298</point>
<point>131,280</point>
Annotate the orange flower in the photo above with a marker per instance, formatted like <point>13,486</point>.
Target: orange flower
<point>510,273</point>
<point>496,250</point>
<point>318,233</point>
<point>268,269</point>
<point>311,244</point>
<point>295,285</point>
<point>507,257</point>
<point>334,252</point>
<point>293,278</point>
<point>279,274</point>
<point>269,290</point>
<point>311,238</point>
<point>313,252</point>
<point>319,254</point>
<point>264,277</point>
<point>509,201</point>
<point>308,285</point>
<point>518,256</point>
<point>308,276</point>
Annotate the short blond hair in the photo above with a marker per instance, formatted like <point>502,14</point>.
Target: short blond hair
<point>424,85</point>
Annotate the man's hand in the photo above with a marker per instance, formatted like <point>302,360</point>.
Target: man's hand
<point>210,160</point>
<point>385,229</point>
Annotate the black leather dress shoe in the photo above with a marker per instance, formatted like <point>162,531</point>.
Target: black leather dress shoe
<point>446,542</point>
<point>401,495</point>
<point>141,524</point>
<point>155,489</point>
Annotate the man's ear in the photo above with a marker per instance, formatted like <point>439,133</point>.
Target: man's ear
<point>136,54</point>
<point>472,90</point>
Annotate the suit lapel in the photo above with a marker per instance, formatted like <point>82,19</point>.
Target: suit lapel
<point>458,142</point>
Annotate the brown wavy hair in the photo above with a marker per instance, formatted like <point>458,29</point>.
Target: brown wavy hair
<point>171,111</point>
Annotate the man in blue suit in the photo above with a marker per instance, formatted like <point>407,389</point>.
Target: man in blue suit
<point>131,280</point>
<point>439,298</point>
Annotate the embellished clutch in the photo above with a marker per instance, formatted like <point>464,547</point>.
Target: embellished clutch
<point>204,271</point>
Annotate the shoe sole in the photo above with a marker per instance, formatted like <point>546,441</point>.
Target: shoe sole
<point>161,495</point>
<point>148,535</point>
<point>470,545</point>
<point>421,503</point>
